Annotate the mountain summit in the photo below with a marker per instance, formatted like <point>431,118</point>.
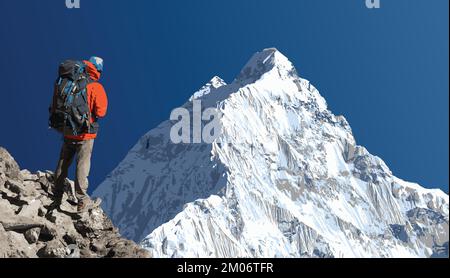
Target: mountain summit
<point>285,178</point>
<point>263,62</point>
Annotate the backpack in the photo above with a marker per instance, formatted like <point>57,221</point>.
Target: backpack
<point>69,112</point>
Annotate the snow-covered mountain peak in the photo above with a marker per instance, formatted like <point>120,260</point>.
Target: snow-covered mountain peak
<point>285,178</point>
<point>215,83</point>
<point>267,60</point>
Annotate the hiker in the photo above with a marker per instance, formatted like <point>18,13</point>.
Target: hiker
<point>79,101</point>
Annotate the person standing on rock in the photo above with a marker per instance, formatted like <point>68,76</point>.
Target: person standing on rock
<point>79,100</point>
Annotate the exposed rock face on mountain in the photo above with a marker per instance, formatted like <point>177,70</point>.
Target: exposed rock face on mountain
<point>28,230</point>
<point>285,178</point>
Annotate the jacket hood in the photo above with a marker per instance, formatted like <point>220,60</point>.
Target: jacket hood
<point>94,74</point>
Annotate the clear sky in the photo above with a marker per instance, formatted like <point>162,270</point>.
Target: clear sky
<point>385,70</point>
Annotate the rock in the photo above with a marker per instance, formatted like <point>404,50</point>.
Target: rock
<point>18,223</point>
<point>3,242</point>
<point>54,249</point>
<point>6,209</point>
<point>48,233</point>
<point>31,184</point>
<point>66,206</point>
<point>32,235</point>
<point>45,184</point>
<point>86,253</point>
<point>45,200</point>
<point>29,230</point>
<point>64,224</point>
<point>14,199</point>
<point>2,182</point>
<point>126,249</point>
<point>14,245</point>
<point>8,165</point>
<point>23,189</point>
<point>42,212</point>
<point>99,249</point>
<point>50,216</point>
<point>26,175</point>
<point>31,210</point>
<point>362,163</point>
<point>14,186</point>
<point>349,151</point>
<point>83,228</point>
<point>72,238</point>
<point>47,174</point>
<point>74,252</point>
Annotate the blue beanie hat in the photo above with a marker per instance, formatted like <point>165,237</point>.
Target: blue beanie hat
<point>97,62</point>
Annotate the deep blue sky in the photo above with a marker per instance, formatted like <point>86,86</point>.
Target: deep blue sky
<point>386,70</point>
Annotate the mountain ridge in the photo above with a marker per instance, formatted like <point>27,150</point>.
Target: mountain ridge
<point>285,178</point>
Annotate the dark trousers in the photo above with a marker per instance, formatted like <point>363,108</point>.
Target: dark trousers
<point>82,150</point>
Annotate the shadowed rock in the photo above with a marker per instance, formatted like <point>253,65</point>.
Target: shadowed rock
<point>29,230</point>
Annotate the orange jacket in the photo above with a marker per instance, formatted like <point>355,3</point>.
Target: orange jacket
<point>97,100</point>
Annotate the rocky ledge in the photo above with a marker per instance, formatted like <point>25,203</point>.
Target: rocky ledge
<point>28,230</point>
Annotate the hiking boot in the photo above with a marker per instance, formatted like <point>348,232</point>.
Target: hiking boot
<point>86,204</point>
<point>82,206</point>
